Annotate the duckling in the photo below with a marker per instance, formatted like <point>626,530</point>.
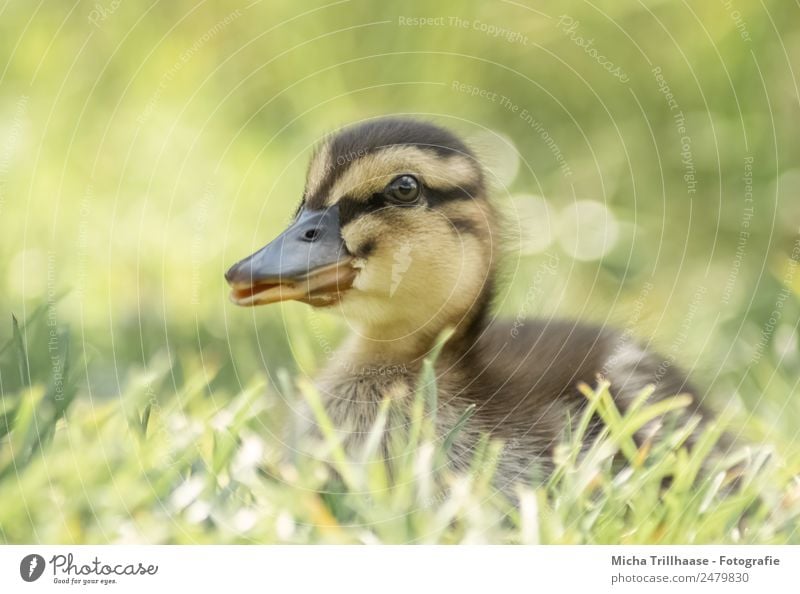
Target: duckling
<point>397,233</point>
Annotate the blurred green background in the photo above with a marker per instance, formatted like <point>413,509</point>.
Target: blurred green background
<point>145,147</point>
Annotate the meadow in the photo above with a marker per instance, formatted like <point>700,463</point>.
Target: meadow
<point>647,158</point>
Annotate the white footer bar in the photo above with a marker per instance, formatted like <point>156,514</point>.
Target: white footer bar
<point>401,569</point>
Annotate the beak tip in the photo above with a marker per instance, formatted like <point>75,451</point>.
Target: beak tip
<point>230,274</point>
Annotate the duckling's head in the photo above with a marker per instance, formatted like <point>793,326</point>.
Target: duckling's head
<point>394,230</point>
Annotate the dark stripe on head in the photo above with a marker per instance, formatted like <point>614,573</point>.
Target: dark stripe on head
<point>367,137</point>
<point>359,140</point>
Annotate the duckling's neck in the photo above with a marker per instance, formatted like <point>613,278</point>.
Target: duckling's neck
<point>379,362</point>
<point>376,346</point>
<point>367,349</point>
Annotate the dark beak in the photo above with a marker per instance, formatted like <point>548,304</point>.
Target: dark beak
<point>308,262</point>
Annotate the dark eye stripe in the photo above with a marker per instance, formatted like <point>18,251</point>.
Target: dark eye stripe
<point>344,158</point>
<point>437,198</point>
<point>350,208</point>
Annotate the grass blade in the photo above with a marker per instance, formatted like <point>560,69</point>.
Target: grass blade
<point>22,355</point>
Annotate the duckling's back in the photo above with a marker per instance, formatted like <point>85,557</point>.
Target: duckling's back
<point>523,381</point>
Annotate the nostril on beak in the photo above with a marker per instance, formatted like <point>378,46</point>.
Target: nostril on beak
<point>311,234</point>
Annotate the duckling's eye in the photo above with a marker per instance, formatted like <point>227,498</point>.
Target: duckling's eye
<point>403,189</point>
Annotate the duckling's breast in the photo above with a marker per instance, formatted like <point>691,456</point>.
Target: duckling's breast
<point>521,381</point>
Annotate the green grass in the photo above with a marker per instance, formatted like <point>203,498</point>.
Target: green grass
<point>193,464</point>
